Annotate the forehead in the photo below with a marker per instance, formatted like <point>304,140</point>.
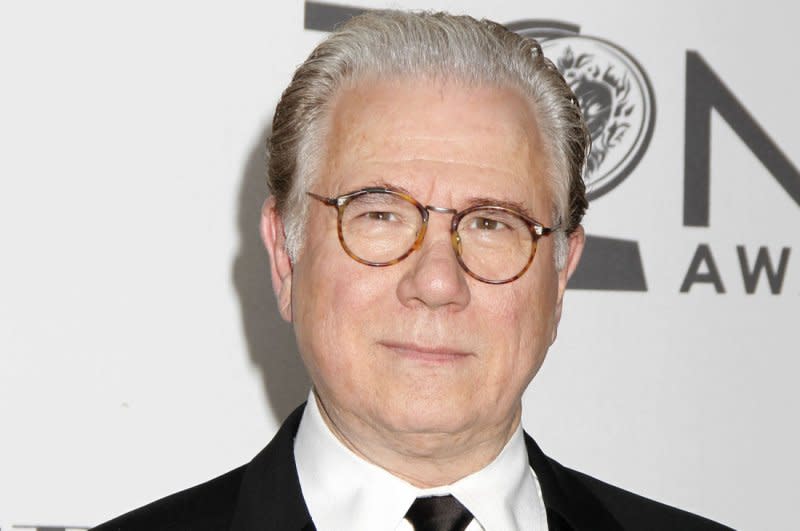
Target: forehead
<point>424,135</point>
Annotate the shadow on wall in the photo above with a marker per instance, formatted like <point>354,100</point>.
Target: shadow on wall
<point>270,340</point>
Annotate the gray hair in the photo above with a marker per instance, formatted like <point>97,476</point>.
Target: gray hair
<point>394,43</point>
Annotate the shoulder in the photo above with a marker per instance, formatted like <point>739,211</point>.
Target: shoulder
<point>579,501</point>
<point>249,497</point>
<point>633,511</point>
<point>208,506</point>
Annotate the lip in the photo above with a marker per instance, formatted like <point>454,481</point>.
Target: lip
<point>429,354</point>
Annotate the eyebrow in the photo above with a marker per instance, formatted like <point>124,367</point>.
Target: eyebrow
<point>378,183</point>
<point>472,201</point>
<point>511,205</point>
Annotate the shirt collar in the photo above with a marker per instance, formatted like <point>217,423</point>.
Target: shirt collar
<point>343,491</point>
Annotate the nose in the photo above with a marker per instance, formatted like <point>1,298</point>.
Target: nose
<point>434,278</point>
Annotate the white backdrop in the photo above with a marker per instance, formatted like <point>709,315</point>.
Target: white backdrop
<point>140,352</point>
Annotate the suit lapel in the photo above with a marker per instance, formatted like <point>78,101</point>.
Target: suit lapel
<point>570,505</point>
<point>270,498</point>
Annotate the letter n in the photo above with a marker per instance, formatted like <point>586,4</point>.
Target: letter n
<point>706,91</point>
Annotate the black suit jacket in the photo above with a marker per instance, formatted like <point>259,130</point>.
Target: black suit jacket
<point>265,495</point>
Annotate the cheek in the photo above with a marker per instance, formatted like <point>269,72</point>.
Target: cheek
<point>522,325</point>
<point>336,304</point>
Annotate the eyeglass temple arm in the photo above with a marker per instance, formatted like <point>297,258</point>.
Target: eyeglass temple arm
<point>541,230</point>
<point>330,201</point>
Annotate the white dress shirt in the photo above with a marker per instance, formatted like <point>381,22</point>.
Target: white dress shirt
<point>343,492</point>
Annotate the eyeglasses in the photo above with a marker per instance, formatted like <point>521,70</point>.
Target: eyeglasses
<point>380,227</point>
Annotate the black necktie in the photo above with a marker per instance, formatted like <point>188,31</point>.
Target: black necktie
<point>438,513</point>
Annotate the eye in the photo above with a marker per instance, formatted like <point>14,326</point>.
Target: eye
<point>484,223</point>
<point>377,215</point>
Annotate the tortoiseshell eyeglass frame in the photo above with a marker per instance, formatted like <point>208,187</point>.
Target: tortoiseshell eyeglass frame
<point>536,229</point>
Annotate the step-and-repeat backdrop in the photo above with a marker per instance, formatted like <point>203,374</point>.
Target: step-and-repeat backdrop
<point>140,349</point>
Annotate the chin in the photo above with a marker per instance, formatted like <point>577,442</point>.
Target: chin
<point>429,416</point>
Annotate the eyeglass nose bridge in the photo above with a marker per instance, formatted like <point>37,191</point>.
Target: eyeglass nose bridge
<point>441,210</point>
<point>455,239</point>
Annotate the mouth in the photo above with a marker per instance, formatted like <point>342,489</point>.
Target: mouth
<point>424,353</point>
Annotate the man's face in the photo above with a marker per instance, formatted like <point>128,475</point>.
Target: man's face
<point>421,347</point>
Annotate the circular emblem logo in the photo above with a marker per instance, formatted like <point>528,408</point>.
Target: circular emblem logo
<point>615,95</point>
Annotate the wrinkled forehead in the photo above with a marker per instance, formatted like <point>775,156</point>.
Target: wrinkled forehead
<point>476,138</point>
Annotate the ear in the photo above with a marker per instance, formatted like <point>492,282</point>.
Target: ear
<point>575,241</point>
<point>274,238</point>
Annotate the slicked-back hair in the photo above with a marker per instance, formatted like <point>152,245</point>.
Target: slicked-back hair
<point>425,46</point>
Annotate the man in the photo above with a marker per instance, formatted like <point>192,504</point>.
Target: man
<point>425,217</point>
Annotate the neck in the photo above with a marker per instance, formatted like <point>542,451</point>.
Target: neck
<point>422,459</point>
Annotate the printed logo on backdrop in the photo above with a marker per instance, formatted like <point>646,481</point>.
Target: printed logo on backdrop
<point>618,102</point>
<point>615,94</point>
